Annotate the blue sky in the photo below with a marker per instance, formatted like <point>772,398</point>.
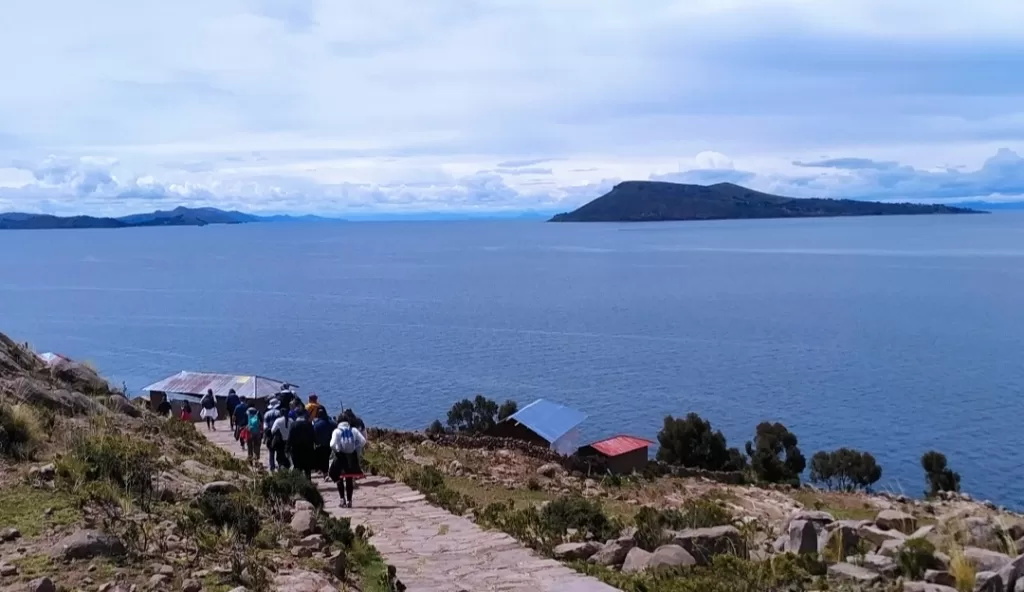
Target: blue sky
<point>338,106</point>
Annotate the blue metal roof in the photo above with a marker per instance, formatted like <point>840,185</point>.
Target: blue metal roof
<point>548,420</point>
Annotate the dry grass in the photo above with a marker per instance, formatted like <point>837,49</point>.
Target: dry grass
<point>25,429</point>
<point>842,506</point>
<point>33,511</point>
<point>961,569</point>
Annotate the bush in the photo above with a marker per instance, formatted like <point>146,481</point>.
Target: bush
<point>231,511</point>
<point>125,462</point>
<point>430,482</point>
<point>651,524</point>
<point>436,428</point>
<point>937,475</point>
<point>336,530</point>
<point>690,442</point>
<point>914,557</point>
<point>774,455</point>
<point>725,573</point>
<point>845,469</point>
<point>282,486</point>
<point>21,433</point>
<point>578,513</point>
<point>478,415</point>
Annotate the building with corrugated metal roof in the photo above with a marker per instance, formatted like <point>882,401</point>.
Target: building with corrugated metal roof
<point>184,385</point>
<point>623,454</point>
<point>543,423</point>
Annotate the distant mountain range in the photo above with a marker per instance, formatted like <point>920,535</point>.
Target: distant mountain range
<point>180,216</point>
<point>642,201</point>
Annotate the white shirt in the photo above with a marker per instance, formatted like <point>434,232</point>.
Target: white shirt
<point>284,426</point>
<point>336,438</point>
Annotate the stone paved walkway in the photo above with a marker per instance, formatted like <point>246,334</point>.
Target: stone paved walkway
<point>436,551</point>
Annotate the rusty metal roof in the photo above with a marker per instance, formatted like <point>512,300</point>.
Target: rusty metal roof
<point>197,383</point>
<point>619,445</point>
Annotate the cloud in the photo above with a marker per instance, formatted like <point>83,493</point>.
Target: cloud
<point>275,104</point>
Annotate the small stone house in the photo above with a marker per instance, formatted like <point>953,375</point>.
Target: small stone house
<point>543,423</point>
<point>622,454</point>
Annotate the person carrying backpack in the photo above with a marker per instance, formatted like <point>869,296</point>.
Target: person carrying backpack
<point>254,434</point>
<point>323,427</point>
<point>230,403</point>
<point>301,443</point>
<point>271,416</point>
<point>209,410</point>
<point>346,444</point>
<point>239,416</point>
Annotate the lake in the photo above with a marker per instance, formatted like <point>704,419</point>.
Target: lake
<point>894,335</point>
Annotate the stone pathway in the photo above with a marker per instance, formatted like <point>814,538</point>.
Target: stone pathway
<point>436,551</point>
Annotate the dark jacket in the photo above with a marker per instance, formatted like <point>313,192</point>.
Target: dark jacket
<point>323,427</point>
<point>241,413</point>
<point>302,437</point>
<point>231,402</point>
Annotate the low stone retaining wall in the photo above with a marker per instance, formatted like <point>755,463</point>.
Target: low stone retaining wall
<point>591,465</point>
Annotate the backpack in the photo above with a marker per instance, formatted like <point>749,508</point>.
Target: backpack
<point>209,402</point>
<point>348,441</point>
<point>254,423</point>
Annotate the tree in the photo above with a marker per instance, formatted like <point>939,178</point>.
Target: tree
<point>691,442</point>
<point>435,429</point>
<point>774,454</point>
<point>478,415</point>
<point>937,474</point>
<point>507,409</point>
<point>845,469</point>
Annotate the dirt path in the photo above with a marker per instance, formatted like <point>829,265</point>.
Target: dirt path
<point>436,551</point>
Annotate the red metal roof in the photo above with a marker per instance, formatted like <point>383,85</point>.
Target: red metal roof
<point>619,445</point>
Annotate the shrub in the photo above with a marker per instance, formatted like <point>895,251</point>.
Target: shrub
<point>125,462</point>
<point>690,442</point>
<point>774,455</point>
<point>336,530</point>
<point>430,482</point>
<point>845,469</point>
<point>231,511</point>
<point>651,524</point>
<point>937,474</point>
<point>914,557</point>
<point>478,415</point>
<point>579,513</point>
<point>725,573</point>
<point>436,428</point>
<point>533,484</point>
<point>21,433</point>
<point>281,487</point>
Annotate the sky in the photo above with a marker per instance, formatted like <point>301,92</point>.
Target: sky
<point>337,107</point>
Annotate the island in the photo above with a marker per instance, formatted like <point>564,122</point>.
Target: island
<point>180,216</point>
<point>650,201</point>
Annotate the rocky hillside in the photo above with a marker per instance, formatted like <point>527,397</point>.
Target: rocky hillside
<point>98,494</point>
<point>671,534</point>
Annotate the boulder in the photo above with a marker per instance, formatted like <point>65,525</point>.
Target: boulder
<point>853,574</point>
<point>922,533</point>
<point>880,564</point>
<point>7,570</point>
<point>981,532</point>
<point>840,542</point>
<point>926,587</point>
<point>613,552</point>
<point>985,560</point>
<point>705,543</point>
<point>157,581</point>
<point>41,585</point>
<point>337,564</point>
<point>1006,578</point>
<point>636,560</point>
<point>9,534</point>
<point>120,404</point>
<point>191,586</point>
<point>891,548</point>
<point>877,537</point>
<point>817,517</point>
<point>576,551</point>
<point>1016,531</point>
<point>550,470</point>
<point>303,523</point>
<point>220,487</point>
<point>302,581</point>
<point>803,538</point>
<point>313,541</point>
<point>896,520</point>
<point>86,544</point>
<point>986,581</point>
<point>667,556</point>
<point>940,577</point>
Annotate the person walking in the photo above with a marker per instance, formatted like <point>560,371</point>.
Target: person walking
<point>346,444</point>
<point>353,420</point>
<point>186,411</point>
<point>269,418</point>
<point>209,410</point>
<point>313,407</point>
<point>230,403</point>
<point>280,434</point>
<point>239,420</point>
<point>302,443</point>
<point>254,434</point>
<point>323,427</point>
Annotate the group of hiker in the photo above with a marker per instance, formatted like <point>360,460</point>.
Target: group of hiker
<point>296,435</point>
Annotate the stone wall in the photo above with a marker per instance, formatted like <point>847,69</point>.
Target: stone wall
<point>591,465</point>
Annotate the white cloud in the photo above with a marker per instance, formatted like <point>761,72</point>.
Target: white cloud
<point>321,105</point>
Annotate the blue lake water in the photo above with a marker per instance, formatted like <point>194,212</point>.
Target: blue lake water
<point>894,335</point>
